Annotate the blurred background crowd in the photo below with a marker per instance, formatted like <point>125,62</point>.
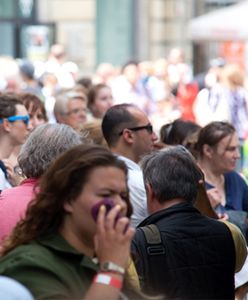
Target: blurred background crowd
<point>165,89</point>
<point>133,76</point>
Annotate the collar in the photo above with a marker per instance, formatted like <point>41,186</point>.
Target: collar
<point>57,243</point>
<point>167,212</point>
<point>29,181</point>
<point>130,163</point>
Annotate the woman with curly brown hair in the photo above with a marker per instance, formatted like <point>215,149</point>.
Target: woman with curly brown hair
<point>59,251</point>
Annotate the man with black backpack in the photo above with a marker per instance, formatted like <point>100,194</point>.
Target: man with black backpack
<point>178,251</point>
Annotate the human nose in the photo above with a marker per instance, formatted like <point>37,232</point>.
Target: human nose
<point>110,101</point>
<point>237,153</point>
<point>154,136</point>
<point>82,113</point>
<point>118,200</point>
<point>30,125</point>
<point>35,122</point>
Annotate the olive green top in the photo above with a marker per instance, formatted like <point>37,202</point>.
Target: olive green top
<point>50,268</point>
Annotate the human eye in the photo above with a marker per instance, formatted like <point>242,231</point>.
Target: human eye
<point>105,195</point>
<point>40,117</point>
<point>231,149</point>
<point>76,110</point>
<point>124,196</point>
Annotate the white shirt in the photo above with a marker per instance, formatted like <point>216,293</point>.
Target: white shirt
<point>4,183</point>
<point>136,190</point>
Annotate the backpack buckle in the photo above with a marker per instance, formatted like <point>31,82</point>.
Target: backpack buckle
<point>155,250</point>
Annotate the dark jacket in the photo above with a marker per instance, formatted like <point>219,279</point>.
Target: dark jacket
<point>199,259</point>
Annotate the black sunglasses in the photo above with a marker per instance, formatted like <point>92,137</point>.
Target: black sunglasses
<point>148,127</point>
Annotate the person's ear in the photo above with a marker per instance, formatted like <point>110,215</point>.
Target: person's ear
<point>61,118</point>
<point>151,199</point>
<point>207,151</point>
<point>6,125</point>
<point>149,192</point>
<point>68,207</point>
<point>128,136</point>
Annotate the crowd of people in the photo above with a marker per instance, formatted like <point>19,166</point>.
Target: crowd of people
<point>128,184</point>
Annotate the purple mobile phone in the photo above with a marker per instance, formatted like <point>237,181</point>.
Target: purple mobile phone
<point>108,203</point>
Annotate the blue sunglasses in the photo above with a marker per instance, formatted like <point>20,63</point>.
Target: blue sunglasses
<point>25,119</point>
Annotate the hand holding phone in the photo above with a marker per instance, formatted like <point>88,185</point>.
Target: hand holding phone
<point>108,203</point>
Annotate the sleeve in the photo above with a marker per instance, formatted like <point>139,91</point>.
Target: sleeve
<point>137,197</point>
<point>240,245</point>
<point>201,109</point>
<point>245,197</point>
<point>41,280</point>
<point>132,274</point>
<point>137,252</point>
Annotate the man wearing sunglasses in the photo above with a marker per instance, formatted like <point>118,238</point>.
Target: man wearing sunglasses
<point>130,135</point>
<point>14,129</point>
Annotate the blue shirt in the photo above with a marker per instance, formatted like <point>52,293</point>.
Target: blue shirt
<point>236,191</point>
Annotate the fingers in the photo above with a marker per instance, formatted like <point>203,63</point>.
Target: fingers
<point>107,221</point>
<point>112,221</point>
<point>101,218</point>
<point>113,236</point>
<point>112,216</point>
<point>123,227</point>
<point>122,224</point>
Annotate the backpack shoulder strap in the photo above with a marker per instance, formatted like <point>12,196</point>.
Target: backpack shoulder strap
<point>153,240</point>
<point>152,256</point>
<point>152,234</point>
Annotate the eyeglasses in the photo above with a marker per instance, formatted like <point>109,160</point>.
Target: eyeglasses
<point>25,119</point>
<point>147,127</point>
<point>75,111</point>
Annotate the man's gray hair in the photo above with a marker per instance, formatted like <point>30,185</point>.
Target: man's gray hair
<point>44,145</point>
<point>62,99</point>
<point>172,173</point>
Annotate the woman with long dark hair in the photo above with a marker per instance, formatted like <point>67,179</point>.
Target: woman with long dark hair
<point>69,246</point>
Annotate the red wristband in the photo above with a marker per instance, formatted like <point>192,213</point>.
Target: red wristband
<point>108,280</point>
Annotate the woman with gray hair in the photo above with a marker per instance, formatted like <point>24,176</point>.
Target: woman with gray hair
<point>42,147</point>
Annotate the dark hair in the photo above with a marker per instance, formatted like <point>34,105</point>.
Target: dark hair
<point>212,134</point>
<point>175,133</point>
<point>117,118</point>
<point>129,63</point>
<point>62,182</point>
<point>33,102</point>
<point>27,69</point>
<point>93,93</point>
<point>8,102</point>
<point>85,82</point>
<point>172,173</point>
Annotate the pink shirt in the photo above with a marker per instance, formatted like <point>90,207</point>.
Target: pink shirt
<point>13,205</point>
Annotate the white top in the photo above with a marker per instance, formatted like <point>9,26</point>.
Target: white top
<point>242,276</point>
<point>10,289</point>
<point>136,190</point>
<point>4,183</point>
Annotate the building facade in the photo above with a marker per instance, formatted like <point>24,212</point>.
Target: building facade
<point>95,31</point>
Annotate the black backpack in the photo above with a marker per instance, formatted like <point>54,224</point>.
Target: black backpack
<point>149,256</point>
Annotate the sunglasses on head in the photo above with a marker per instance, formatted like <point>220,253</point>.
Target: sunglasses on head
<point>25,119</point>
<point>147,127</point>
